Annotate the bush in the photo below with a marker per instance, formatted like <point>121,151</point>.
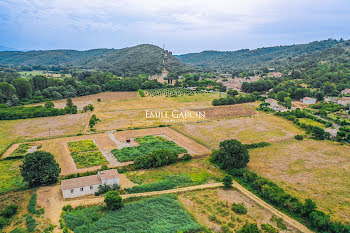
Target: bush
<point>142,93</point>
<point>232,154</point>
<point>249,228</point>
<point>257,145</point>
<point>88,107</point>
<point>105,188</point>
<point>9,211</point>
<point>227,181</point>
<point>113,200</point>
<point>156,158</point>
<point>239,208</point>
<point>31,223</point>
<point>3,222</point>
<point>186,157</point>
<point>269,228</point>
<point>299,137</point>
<point>40,168</point>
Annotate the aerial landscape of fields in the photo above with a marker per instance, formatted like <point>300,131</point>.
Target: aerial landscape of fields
<point>103,130</point>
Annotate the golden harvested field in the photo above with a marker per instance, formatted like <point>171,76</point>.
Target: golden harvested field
<point>92,99</point>
<point>193,147</point>
<point>257,128</point>
<point>319,170</point>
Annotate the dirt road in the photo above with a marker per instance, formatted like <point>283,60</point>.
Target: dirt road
<point>100,200</point>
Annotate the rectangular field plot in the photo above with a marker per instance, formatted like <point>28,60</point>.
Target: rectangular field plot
<point>147,144</point>
<point>10,176</point>
<point>156,215</point>
<point>86,154</point>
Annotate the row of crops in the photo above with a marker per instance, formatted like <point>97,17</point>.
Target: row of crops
<point>170,92</point>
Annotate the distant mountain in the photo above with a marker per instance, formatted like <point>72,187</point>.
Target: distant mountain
<point>261,57</point>
<point>4,48</point>
<point>139,59</point>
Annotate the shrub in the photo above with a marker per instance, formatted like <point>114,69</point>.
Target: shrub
<point>98,99</point>
<point>113,200</point>
<point>156,158</point>
<point>40,168</point>
<point>232,154</point>
<point>67,208</point>
<point>142,93</point>
<point>9,211</point>
<point>105,188</point>
<point>249,228</point>
<point>186,157</point>
<point>227,181</point>
<point>225,229</point>
<point>299,137</point>
<point>239,208</point>
<point>88,107</point>
<point>269,228</point>
<point>31,223</point>
<point>3,222</point>
<point>257,145</point>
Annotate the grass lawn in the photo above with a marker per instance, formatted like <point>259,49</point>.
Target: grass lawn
<point>10,176</point>
<point>86,154</point>
<point>147,144</point>
<point>160,214</point>
<point>319,170</point>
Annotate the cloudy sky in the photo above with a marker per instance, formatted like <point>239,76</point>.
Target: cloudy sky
<point>182,25</point>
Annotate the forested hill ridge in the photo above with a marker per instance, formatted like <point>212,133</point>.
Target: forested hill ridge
<point>140,59</point>
<point>257,58</point>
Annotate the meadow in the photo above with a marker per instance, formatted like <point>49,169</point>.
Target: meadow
<point>309,169</point>
<point>181,174</point>
<point>218,207</point>
<point>147,144</point>
<point>160,214</point>
<point>251,129</point>
<point>10,177</point>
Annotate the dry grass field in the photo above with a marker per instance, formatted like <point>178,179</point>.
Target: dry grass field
<point>212,208</point>
<point>319,170</point>
<point>220,112</point>
<point>257,128</point>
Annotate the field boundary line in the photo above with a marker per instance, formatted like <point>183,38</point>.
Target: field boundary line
<point>190,137</point>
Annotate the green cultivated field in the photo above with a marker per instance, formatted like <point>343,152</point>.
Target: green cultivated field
<point>86,154</point>
<point>147,145</point>
<point>10,176</point>
<point>156,215</point>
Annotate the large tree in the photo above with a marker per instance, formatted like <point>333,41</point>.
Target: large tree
<point>113,200</point>
<point>40,168</point>
<point>232,154</point>
<point>23,88</point>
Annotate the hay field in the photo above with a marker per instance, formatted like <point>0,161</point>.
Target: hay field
<point>257,128</point>
<point>319,170</point>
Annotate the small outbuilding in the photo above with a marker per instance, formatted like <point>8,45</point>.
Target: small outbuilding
<point>344,101</point>
<point>308,100</point>
<point>88,185</point>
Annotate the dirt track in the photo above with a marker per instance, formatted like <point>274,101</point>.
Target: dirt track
<point>54,214</point>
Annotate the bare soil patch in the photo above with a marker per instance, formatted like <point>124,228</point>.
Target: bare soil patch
<point>178,138</point>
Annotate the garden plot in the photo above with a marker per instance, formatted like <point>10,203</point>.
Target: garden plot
<point>170,92</point>
<point>146,145</point>
<point>219,112</point>
<point>160,214</point>
<point>191,146</point>
<point>85,154</point>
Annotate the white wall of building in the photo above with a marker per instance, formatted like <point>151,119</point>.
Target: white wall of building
<point>111,181</point>
<point>77,192</point>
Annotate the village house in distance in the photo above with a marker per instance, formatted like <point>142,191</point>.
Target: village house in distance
<point>88,185</point>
